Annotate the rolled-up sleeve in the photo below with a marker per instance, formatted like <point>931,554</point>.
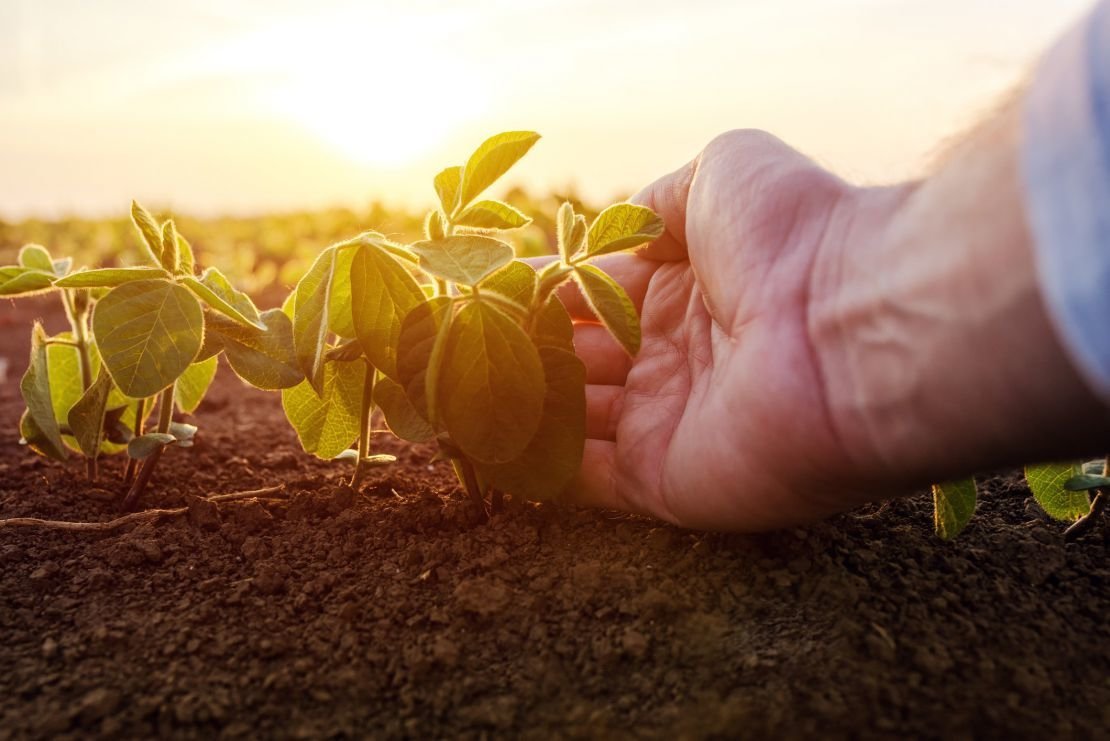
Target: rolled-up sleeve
<point>1066,171</point>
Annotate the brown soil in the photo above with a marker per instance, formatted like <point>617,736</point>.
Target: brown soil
<point>399,612</point>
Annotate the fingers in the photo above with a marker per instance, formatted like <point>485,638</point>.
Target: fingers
<point>667,196</point>
<point>603,411</point>
<point>605,360</point>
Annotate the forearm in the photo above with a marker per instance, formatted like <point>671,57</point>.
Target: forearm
<point>938,354</point>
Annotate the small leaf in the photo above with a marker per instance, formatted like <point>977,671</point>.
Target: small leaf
<point>24,282</point>
<point>464,259</point>
<point>310,317</point>
<point>35,257</point>
<point>382,293</point>
<point>216,290</point>
<point>327,422</point>
<point>86,417</point>
<point>564,229</point>
<point>188,262</point>
<point>62,266</point>
<point>554,454</point>
<point>35,388</point>
<point>622,226</point>
<point>611,305</point>
<point>193,384</point>
<point>434,225</point>
<point>414,348</point>
<point>264,359</point>
<point>515,281</point>
<point>340,313</point>
<point>553,326</point>
<point>953,505</point>
<point>171,259</point>
<point>1047,484</point>
<point>401,415</point>
<point>183,433</point>
<point>491,388</point>
<point>34,438</point>
<point>148,332</point>
<point>109,277</point>
<point>1086,482</point>
<point>491,160</point>
<point>63,364</point>
<point>349,350</point>
<point>150,231</point>
<point>143,446</point>
<point>491,215</point>
<point>447,188</point>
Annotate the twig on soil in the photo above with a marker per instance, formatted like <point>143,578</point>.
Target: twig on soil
<point>135,517</point>
<point>1086,523</point>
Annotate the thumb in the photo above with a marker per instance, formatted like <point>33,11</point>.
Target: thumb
<point>667,197</point>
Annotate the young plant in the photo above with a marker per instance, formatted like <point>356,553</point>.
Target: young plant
<point>155,332</point>
<point>456,340</point>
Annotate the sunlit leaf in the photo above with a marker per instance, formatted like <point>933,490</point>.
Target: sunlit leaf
<point>171,259</point>
<point>491,388</point>
<point>491,160</point>
<point>15,281</point>
<point>216,290</point>
<point>382,293</point>
<point>564,229</point>
<point>414,348</point>
<point>554,454</point>
<point>622,226</point>
<point>327,423</point>
<point>264,359</point>
<point>340,314</point>
<point>86,417</point>
<point>64,369</point>
<point>1086,482</point>
<point>148,332</point>
<point>61,267</point>
<point>611,305</point>
<point>553,326</point>
<point>515,281</point>
<point>401,415</point>
<point>434,225</point>
<point>186,257</point>
<point>35,388</point>
<point>143,446</point>
<point>109,277</point>
<point>310,317</point>
<point>447,188</point>
<point>193,384</point>
<point>464,259</point>
<point>1047,481</point>
<point>953,505</point>
<point>149,230</point>
<point>491,215</point>
<point>35,257</point>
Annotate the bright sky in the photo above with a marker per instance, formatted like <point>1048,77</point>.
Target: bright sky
<point>218,106</point>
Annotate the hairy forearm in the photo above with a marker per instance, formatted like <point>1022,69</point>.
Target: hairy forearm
<point>938,355</point>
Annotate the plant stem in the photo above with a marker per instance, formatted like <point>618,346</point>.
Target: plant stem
<point>80,324</point>
<point>136,430</point>
<point>470,479</point>
<point>364,431</point>
<point>1084,524</point>
<point>165,417</point>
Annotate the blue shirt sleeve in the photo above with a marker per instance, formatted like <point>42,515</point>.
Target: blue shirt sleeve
<point>1065,156</point>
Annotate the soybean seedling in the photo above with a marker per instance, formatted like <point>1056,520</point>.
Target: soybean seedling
<point>456,340</point>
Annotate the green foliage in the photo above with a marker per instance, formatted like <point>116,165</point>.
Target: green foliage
<point>953,505</point>
<point>86,416</point>
<point>265,359</point>
<point>622,226</point>
<point>612,305</point>
<point>1047,481</point>
<point>465,259</point>
<point>46,436</point>
<point>327,421</point>
<point>310,318</point>
<point>193,384</point>
<point>382,293</point>
<point>491,160</point>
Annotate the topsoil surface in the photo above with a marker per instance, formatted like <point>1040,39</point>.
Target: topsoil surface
<point>400,611</point>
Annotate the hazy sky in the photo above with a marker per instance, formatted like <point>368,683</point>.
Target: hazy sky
<point>217,106</point>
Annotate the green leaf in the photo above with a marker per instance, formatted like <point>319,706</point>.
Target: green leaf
<point>1086,482</point>
<point>143,446</point>
<point>491,388</point>
<point>150,231</point>
<point>401,415</point>
<point>382,293</point>
<point>564,230</point>
<point>611,305</point>
<point>1047,484</point>
<point>24,282</point>
<point>415,341</point>
<point>216,290</point>
<point>62,266</point>
<point>188,262</point>
<point>327,423</point>
<point>148,332</point>
<point>171,258</point>
<point>310,318</point>
<point>447,188</point>
<point>492,215</point>
<point>515,281</point>
<point>554,454</point>
<point>35,257</point>
<point>953,505</point>
<point>264,359</point>
<point>622,226</point>
<point>109,277</point>
<point>491,160</point>
<point>183,433</point>
<point>35,388</point>
<point>553,326</point>
<point>63,364</point>
<point>193,384</point>
<point>464,259</point>
<point>340,313</point>
<point>86,417</point>
<point>434,225</point>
